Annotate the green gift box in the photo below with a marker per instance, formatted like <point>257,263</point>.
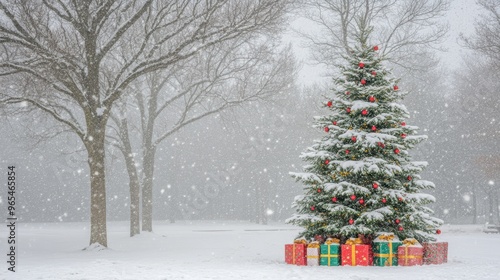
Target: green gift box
<point>329,254</point>
<point>385,252</point>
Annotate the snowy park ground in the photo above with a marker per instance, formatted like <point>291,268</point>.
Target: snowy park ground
<point>220,250</point>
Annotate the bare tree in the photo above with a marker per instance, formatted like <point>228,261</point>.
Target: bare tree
<point>405,30</point>
<point>76,50</point>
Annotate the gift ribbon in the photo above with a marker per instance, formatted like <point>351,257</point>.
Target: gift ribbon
<point>314,244</point>
<point>386,255</point>
<point>353,241</point>
<point>330,241</point>
<point>353,255</point>
<point>329,256</point>
<point>410,256</point>
<point>293,254</point>
<point>410,242</point>
<point>300,241</point>
<point>387,237</point>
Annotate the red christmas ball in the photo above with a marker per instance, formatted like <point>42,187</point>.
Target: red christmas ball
<point>400,228</point>
<point>361,65</point>
<point>374,73</point>
<point>347,92</point>
<point>403,124</point>
<point>396,87</point>
<point>313,208</point>
<point>348,110</point>
<point>327,129</point>
<point>347,152</point>
<point>354,139</point>
<point>397,221</point>
<point>364,112</point>
<point>438,231</point>
<point>351,221</point>
<point>381,145</point>
<point>329,104</point>
<point>403,136</point>
<point>384,200</point>
<point>409,178</point>
<point>375,48</point>
<point>396,151</point>
<point>353,197</point>
<point>363,81</point>
<point>334,199</point>
<point>371,98</point>
<point>327,161</point>
<point>361,201</point>
<point>400,198</point>
<point>334,122</point>
<point>375,185</point>
<point>318,190</point>
<point>374,128</point>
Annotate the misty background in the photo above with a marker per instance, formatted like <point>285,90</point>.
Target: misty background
<point>235,164</point>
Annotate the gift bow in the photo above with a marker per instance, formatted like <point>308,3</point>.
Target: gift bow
<point>387,237</point>
<point>330,241</point>
<point>300,241</point>
<point>353,241</point>
<point>314,244</point>
<point>410,241</point>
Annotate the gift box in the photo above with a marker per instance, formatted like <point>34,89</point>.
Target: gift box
<point>296,253</point>
<point>435,252</point>
<point>329,253</point>
<point>354,253</point>
<point>410,253</point>
<point>385,250</point>
<point>313,254</point>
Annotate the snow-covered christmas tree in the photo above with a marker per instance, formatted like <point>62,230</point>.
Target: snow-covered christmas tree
<point>360,178</point>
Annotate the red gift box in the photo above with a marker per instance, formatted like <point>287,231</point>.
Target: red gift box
<point>358,254</point>
<point>296,254</point>
<point>435,252</point>
<point>410,255</point>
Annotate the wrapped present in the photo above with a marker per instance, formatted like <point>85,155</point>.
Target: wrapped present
<point>296,253</point>
<point>329,252</point>
<point>313,253</point>
<point>410,253</point>
<point>385,250</point>
<point>435,252</point>
<point>354,253</point>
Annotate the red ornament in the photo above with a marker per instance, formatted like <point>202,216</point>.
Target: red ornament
<point>403,124</point>
<point>374,128</point>
<point>375,185</point>
<point>364,112</point>
<point>374,73</point>
<point>348,110</point>
<point>347,92</point>
<point>327,129</point>
<point>409,178</point>
<point>396,151</point>
<point>438,231</point>
<point>353,197</point>
<point>403,136</point>
<point>396,87</point>
<point>397,221</point>
<point>313,208</point>
<point>354,139</point>
<point>329,104</point>
<point>400,198</point>
<point>319,190</point>
<point>347,152</point>
<point>381,145</point>
<point>363,81</point>
<point>375,48</point>
<point>371,98</point>
<point>400,228</point>
<point>361,65</point>
<point>334,122</point>
<point>361,201</point>
<point>327,161</point>
<point>384,200</point>
<point>334,199</point>
<point>351,221</point>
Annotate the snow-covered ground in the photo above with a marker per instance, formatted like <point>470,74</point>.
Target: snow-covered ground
<point>220,250</point>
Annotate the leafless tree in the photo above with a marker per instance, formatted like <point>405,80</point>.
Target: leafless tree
<point>85,55</point>
<point>229,74</point>
<point>404,30</point>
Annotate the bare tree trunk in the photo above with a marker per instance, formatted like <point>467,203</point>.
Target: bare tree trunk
<point>497,206</point>
<point>474,208</point>
<point>491,209</point>
<point>96,156</point>
<point>147,188</point>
